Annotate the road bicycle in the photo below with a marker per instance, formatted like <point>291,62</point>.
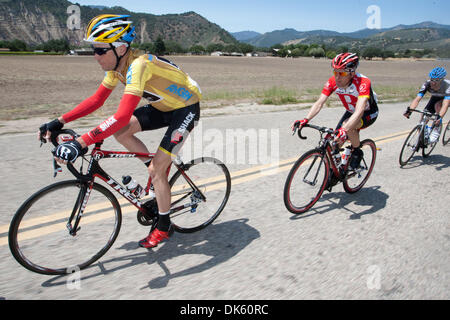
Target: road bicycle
<point>70,224</point>
<point>446,134</point>
<point>322,168</point>
<point>418,138</point>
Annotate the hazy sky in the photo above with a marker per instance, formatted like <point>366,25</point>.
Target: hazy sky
<point>264,16</point>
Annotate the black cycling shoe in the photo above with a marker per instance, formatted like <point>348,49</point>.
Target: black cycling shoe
<point>357,156</point>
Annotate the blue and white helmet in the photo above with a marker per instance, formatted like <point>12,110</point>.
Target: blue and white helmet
<point>438,73</point>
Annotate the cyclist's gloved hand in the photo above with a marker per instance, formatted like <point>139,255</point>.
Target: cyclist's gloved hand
<point>47,128</point>
<point>69,151</point>
<point>341,135</point>
<point>407,113</point>
<point>438,121</point>
<point>299,124</point>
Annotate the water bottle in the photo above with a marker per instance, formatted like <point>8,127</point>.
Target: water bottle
<point>132,186</point>
<point>346,155</point>
<point>434,135</point>
<point>427,131</point>
<point>337,158</point>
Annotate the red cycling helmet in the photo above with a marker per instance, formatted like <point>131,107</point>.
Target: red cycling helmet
<point>347,61</point>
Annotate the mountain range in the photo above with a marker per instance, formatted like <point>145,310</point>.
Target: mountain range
<point>417,36</point>
<point>38,21</point>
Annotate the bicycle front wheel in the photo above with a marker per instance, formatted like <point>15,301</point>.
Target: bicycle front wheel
<point>40,240</point>
<point>306,181</point>
<point>199,194</point>
<point>357,177</point>
<point>446,134</point>
<point>410,146</point>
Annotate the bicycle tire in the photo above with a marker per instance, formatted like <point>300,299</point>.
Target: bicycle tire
<point>312,196</point>
<point>54,225</point>
<point>430,146</point>
<point>446,134</point>
<point>411,144</point>
<point>213,179</point>
<point>366,145</point>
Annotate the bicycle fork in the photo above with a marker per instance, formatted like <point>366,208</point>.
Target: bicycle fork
<point>78,209</point>
<point>314,181</point>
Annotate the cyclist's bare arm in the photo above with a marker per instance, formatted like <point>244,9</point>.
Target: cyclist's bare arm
<point>415,102</point>
<point>354,122</point>
<point>444,108</point>
<point>317,106</point>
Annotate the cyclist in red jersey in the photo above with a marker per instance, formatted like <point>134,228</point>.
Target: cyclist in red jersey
<point>356,94</point>
<point>173,102</point>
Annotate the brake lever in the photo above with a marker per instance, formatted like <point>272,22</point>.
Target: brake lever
<point>56,168</point>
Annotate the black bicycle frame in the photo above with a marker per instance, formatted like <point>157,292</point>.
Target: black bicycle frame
<point>95,171</point>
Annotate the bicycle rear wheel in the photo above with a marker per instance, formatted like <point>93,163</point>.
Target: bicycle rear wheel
<point>197,207</point>
<point>356,178</point>
<point>428,148</point>
<point>306,181</point>
<point>38,236</point>
<point>446,134</point>
<point>411,145</point>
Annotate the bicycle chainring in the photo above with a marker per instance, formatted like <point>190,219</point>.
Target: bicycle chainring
<point>148,215</point>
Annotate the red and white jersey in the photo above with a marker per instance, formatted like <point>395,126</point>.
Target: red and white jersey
<point>360,87</point>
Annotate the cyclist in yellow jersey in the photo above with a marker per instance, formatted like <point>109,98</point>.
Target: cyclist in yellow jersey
<point>173,102</point>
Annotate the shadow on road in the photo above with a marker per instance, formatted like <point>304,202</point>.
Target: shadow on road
<point>218,241</point>
<point>370,196</point>
<point>439,161</point>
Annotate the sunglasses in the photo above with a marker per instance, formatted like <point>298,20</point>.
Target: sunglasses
<point>435,80</point>
<point>101,51</point>
<point>341,73</point>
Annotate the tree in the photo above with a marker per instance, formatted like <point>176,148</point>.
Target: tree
<point>212,47</point>
<point>246,48</point>
<point>147,47</point>
<point>331,54</point>
<point>160,47</point>
<point>16,45</point>
<point>342,49</point>
<point>174,47</point>
<point>316,52</point>
<point>297,52</point>
<point>372,52</point>
<point>197,49</point>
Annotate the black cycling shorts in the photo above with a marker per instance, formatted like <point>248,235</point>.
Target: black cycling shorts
<point>180,123</point>
<point>430,107</point>
<point>368,118</point>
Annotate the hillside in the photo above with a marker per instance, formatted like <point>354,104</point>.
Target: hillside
<point>437,40</point>
<point>38,21</point>
<point>426,35</point>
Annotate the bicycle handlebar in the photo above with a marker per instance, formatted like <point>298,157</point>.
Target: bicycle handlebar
<point>54,140</point>
<point>318,128</point>
<point>427,113</point>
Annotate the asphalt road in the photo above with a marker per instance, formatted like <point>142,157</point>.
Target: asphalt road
<point>391,240</point>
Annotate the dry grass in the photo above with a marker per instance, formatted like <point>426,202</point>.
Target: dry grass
<point>48,86</point>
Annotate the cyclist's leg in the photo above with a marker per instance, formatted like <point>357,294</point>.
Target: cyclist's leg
<point>353,135</point>
<point>143,118</point>
<point>182,121</point>
<point>368,118</point>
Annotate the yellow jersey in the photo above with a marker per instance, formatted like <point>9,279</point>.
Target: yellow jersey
<point>156,79</point>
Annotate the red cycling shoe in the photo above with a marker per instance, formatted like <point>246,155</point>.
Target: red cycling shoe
<point>155,237</point>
